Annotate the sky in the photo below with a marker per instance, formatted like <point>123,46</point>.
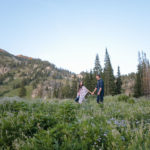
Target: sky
<point>69,33</point>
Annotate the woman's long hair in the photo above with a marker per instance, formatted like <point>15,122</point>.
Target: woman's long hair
<point>80,86</point>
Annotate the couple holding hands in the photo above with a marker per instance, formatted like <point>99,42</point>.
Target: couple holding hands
<point>83,91</point>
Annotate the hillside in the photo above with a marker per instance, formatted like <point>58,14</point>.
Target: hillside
<point>41,78</point>
<point>128,83</point>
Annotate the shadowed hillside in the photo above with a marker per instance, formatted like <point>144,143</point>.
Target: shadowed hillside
<point>40,78</point>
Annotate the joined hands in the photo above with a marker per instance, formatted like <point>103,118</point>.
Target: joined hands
<point>92,93</point>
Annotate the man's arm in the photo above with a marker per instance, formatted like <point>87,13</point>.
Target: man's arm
<point>101,84</point>
<point>99,92</point>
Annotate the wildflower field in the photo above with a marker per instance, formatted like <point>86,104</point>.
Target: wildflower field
<point>121,123</point>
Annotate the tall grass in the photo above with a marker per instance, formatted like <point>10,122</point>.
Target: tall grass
<point>121,123</point>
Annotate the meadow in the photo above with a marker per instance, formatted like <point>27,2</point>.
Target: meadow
<point>121,123</point>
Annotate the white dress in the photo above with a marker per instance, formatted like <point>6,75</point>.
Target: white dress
<point>83,93</point>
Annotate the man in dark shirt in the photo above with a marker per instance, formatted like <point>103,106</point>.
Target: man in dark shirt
<point>100,89</point>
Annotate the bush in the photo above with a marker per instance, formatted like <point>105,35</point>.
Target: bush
<point>131,101</point>
<point>23,91</point>
<point>67,112</point>
<point>123,98</point>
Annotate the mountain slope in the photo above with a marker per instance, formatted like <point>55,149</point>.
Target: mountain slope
<point>128,83</point>
<point>41,78</point>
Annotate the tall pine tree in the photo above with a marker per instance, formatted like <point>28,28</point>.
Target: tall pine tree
<point>142,83</point>
<point>97,68</point>
<point>118,82</point>
<point>22,92</point>
<point>138,83</point>
<point>109,79</point>
<point>89,80</point>
<point>145,75</point>
<point>74,87</point>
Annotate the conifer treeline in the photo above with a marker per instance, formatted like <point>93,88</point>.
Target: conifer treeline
<point>112,84</point>
<point>69,90</point>
<point>142,84</point>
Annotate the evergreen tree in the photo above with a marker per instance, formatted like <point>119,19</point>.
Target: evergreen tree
<point>142,83</point>
<point>1,80</point>
<point>118,82</point>
<point>60,90</point>
<point>73,90</point>
<point>90,81</point>
<point>145,76</point>
<point>49,93</point>
<point>109,79</point>
<point>138,82</point>
<point>97,68</point>
<point>138,85</point>
<point>55,93</point>
<point>22,92</point>
<point>66,90</point>
<point>87,80</point>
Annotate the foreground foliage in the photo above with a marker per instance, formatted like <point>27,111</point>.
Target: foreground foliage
<point>122,123</point>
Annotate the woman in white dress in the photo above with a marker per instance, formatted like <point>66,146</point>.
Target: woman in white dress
<point>82,92</point>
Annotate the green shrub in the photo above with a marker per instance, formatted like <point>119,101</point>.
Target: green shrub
<point>67,112</point>
<point>123,98</point>
<point>131,101</point>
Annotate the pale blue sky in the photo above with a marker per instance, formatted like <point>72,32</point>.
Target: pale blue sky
<point>69,33</point>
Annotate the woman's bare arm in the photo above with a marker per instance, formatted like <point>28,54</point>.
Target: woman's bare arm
<point>89,91</point>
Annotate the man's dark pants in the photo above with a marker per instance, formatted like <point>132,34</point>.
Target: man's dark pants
<point>100,98</point>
